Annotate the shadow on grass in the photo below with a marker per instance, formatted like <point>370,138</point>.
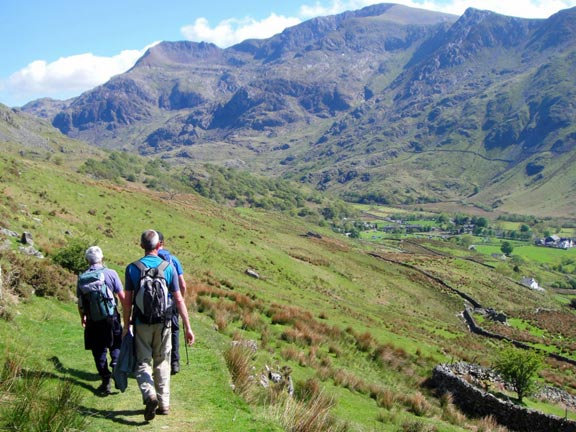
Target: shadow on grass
<point>78,377</point>
<point>121,417</point>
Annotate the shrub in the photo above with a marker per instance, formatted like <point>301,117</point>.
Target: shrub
<point>71,257</point>
<point>28,275</point>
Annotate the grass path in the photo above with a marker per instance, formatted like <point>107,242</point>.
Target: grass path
<point>47,337</point>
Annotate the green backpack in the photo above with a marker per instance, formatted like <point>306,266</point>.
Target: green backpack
<point>96,300</point>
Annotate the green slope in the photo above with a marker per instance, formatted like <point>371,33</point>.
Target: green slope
<point>367,329</point>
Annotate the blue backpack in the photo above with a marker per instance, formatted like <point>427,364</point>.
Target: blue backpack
<point>96,300</point>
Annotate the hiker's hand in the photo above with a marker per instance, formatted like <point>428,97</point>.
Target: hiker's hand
<point>83,321</point>
<point>190,338</point>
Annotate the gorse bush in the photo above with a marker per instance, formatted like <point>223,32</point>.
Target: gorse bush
<point>71,257</point>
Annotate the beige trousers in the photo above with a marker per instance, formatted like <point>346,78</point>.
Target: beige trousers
<point>153,346</point>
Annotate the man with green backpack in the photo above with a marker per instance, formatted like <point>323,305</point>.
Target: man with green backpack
<point>96,290</point>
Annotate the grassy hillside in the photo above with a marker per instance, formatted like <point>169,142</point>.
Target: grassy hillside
<point>361,324</point>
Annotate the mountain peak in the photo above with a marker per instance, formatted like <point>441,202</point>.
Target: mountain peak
<point>180,52</point>
<point>343,100</point>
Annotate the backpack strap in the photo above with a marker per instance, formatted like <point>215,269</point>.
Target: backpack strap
<point>163,266</point>
<point>140,265</point>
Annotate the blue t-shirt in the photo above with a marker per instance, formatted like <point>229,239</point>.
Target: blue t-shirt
<point>133,273</point>
<point>167,256</point>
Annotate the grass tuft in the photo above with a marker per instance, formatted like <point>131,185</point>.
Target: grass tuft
<point>312,415</point>
<point>238,359</point>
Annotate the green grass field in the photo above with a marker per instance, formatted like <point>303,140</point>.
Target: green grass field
<point>368,330</point>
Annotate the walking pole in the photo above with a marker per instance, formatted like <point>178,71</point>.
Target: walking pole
<point>187,361</point>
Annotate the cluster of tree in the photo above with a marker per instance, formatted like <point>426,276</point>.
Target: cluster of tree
<point>224,185</point>
<point>123,165</point>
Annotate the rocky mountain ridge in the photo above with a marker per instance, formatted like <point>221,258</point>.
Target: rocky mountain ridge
<point>386,104</point>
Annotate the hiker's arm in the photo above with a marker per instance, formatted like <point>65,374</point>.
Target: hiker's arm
<point>82,316</point>
<point>127,301</point>
<point>181,305</point>
<point>126,311</point>
<point>116,284</point>
<point>121,295</point>
<point>182,283</point>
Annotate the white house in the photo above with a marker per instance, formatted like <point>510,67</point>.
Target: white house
<point>531,283</point>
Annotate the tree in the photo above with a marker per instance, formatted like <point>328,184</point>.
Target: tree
<point>519,368</point>
<point>466,240</point>
<point>506,248</point>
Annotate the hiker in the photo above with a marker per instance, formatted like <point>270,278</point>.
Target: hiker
<point>152,334</point>
<point>96,290</point>
<point>175,354</point>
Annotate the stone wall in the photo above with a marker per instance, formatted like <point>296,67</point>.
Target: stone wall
<point>478,403</point>
<point>475,328</point>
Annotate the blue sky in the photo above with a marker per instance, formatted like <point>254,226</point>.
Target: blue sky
<point>61,48</point>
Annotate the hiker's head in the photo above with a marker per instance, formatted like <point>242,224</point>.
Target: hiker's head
<point>160,238</point>
<point>94,255</point>
<point>149,240</point>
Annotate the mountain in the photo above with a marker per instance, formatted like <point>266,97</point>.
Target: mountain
<point>36,138</point>
<point>386,104</point>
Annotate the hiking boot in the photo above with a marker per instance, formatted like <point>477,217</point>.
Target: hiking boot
<point>163,410</point>
<point>150,410</point>
<point>105,388</point>
<point>175,368</point>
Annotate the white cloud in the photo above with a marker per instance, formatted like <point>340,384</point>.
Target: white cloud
<point>67,76</point>
<point>231,31</point>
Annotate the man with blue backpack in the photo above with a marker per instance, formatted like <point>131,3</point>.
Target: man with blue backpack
<point>167,256</point>
<point>96,290</point>
<point>147,307</point>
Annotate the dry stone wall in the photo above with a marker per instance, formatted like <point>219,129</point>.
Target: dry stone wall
<point>479,403</point>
